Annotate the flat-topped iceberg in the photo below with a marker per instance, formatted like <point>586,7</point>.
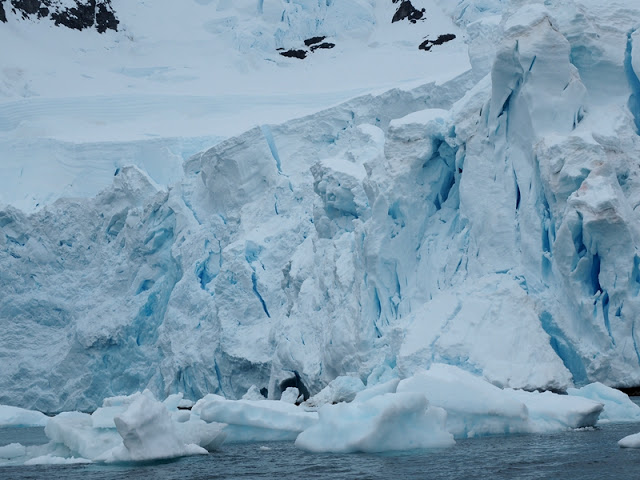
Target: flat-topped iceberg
<point>550,412</point>
<point>474,406</point>
<point>20,417</point>
<point>255,420</point>
<point>388,422</point>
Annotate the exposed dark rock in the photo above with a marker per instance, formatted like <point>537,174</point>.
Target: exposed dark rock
<point>313,40</point>
<point>427,44</point>
<point>265,392</point>
<point>78,17</point>
<point>406,10</point>
<point>85,14</point>
<point>326,45</point>
<point>3,15</point>
<point>26,7</point>
<point>295,54</point>
<point>295,382</point>
<point>106,17</point>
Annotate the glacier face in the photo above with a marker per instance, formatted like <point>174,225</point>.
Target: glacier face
<point>488,221</point>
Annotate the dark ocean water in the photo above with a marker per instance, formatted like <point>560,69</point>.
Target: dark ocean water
<point>586,454</point>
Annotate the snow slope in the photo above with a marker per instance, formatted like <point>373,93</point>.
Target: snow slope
<point>487,219</point>
<point>173,81</point>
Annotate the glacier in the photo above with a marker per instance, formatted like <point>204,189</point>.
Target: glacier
<point>487,219</point>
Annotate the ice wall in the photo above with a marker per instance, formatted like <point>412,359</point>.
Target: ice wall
<point>487,222</point>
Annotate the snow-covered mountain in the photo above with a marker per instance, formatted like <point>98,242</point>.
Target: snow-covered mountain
<point>172,81</point>
<point>482,214</point>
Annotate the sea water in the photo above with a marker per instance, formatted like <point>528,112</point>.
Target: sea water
<point>579,454</point>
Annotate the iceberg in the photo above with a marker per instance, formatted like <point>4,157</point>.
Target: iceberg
<point>474,407</point>
<point>341,389</point>
<point>255,420</point>
<point>388,422</point>
<point>13,450</point>
<point>618,407</point>
<point>550,412</point>
<point>20,417</point>
<point>53,460</point>
<point>630,441</point>
<point>131,429</point>
<point>148,433</point>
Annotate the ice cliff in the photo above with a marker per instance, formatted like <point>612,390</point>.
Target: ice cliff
<point>489,221</point>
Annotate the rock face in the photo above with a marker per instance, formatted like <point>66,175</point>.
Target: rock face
<point>83,14</point>
<point>407,11</point>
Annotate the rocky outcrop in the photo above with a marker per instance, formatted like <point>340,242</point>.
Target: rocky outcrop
<point>98,14</point>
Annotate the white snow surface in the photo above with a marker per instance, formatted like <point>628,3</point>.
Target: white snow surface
<point>483,214</point>
<point>76,105</point>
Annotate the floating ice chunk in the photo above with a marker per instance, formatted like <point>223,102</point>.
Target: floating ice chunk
<point>630,441</point>
<point>76,431</point>
<point>13,450</point>
<point>20,417</point>
<point>474,406</point>
<point>209,436</point>
<point>103,416</point>
<point>341,389</point>
<point>134,428</point>
<point>50,459</point>
<point>148,433</point>
<point>389,422</point>
<point>290,395</point>
<point>618,407</point>
<point>255,421</point>
<point>172,402</point>
<point>550,412</point>
<point>380,389</point>
<point>253,393</point>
